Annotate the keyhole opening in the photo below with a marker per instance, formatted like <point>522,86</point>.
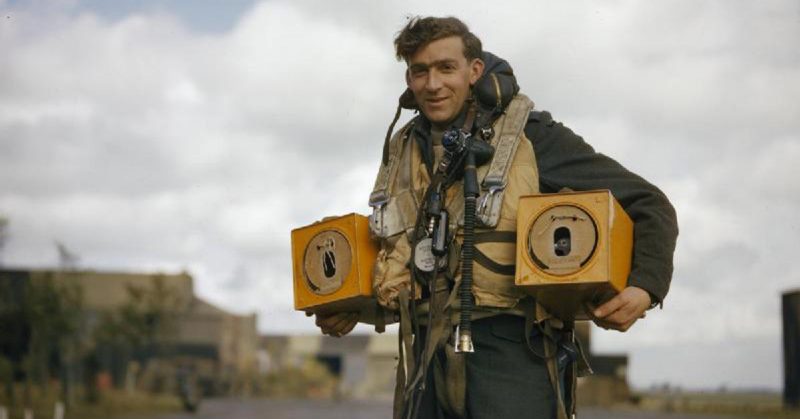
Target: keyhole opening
<point>329,264</point>
<point>562,241</point>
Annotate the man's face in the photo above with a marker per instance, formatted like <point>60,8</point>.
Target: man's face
<point>440,77</point>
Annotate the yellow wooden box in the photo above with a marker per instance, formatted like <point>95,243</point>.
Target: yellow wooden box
<point>573,248</point>
<point>332,265</point>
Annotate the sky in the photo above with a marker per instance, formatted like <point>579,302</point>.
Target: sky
<point>168,136</point>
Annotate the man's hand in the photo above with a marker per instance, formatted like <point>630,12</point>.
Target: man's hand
<point>338,324</point>
<point>622,311</point>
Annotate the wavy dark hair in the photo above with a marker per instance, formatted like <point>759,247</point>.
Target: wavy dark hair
<point>420,31</point>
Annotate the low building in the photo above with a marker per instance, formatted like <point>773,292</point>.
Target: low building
<point>219,346</point>
<point>364,364</point>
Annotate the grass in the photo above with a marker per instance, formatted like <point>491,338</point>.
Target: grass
<point>762,405</point>
<point>111,404</point>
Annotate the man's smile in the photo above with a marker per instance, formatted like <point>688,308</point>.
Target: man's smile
<point>436,100</point>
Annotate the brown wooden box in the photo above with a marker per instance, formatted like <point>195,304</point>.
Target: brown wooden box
<point>573,248</point>
<point>332,265</point>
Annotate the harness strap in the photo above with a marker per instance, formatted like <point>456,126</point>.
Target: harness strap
<point>481,258</point>
<point>513,122</point>
<point>505,143</point>
<point>496,237</point>
<point>381,193</point>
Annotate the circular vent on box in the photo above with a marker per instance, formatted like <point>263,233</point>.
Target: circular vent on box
<point>562,239</point>
<point>327,262</point>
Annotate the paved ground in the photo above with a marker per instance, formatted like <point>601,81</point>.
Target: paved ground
<point>298,409</point>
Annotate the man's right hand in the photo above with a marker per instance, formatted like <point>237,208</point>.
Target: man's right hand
<point>338,324</point>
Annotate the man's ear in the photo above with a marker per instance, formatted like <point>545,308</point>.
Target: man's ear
<point>475,70</point>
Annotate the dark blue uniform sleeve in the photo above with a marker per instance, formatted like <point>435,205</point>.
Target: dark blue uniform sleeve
<point>566,161</point>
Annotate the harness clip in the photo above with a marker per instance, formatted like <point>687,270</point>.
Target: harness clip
<point>488,210</point>
<point>378,201</point>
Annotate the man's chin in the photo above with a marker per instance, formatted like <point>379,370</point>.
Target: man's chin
<point>438,118</point>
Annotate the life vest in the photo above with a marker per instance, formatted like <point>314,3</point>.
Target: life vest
<point>399,190</point>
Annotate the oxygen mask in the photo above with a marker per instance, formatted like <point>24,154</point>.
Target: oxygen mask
<point>456,143</point>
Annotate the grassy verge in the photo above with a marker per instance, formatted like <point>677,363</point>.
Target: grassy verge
<point>762,405</point>
<point>111,404</point>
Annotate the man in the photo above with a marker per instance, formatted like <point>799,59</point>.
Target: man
<point>455,85</point>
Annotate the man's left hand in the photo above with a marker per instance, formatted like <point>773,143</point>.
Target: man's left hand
<point>622,311</point>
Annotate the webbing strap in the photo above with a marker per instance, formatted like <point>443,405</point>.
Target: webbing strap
<point>514,120</point>
<point>483,260</point>
<point>496,237</point>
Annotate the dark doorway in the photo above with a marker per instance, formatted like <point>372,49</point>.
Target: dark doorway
<point>332,362</point>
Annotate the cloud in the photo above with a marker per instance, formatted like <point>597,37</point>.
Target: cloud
<point>143,143</point>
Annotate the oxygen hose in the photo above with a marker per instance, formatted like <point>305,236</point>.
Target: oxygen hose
<point>464,343</point>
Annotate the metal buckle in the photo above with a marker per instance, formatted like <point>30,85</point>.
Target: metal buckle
<point>490,193</point>
<point>378,201</point>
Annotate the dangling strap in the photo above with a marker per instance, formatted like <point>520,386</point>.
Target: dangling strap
<point>550,350</point>
<point>389,166</point>
<point>389,135</point>
<point>400,379</point>
<point>537,316</point>
<point>406,361</point>
<point>451,381</point>
<point>436,337</point>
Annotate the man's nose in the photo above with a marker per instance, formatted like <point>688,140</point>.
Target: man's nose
<point>434,81</point>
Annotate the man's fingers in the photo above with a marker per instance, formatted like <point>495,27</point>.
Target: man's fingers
<point>619,317</point>
<point>350,326</point>
<point>339,324</point>
<point>326,321</point>
<point>609,306</point>
<point>342,323</point>
<point>622,327</point>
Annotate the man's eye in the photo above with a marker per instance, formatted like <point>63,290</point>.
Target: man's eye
<point>419,72</point>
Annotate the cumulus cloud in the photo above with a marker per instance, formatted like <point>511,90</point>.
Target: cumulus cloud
<point>145,143</point>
